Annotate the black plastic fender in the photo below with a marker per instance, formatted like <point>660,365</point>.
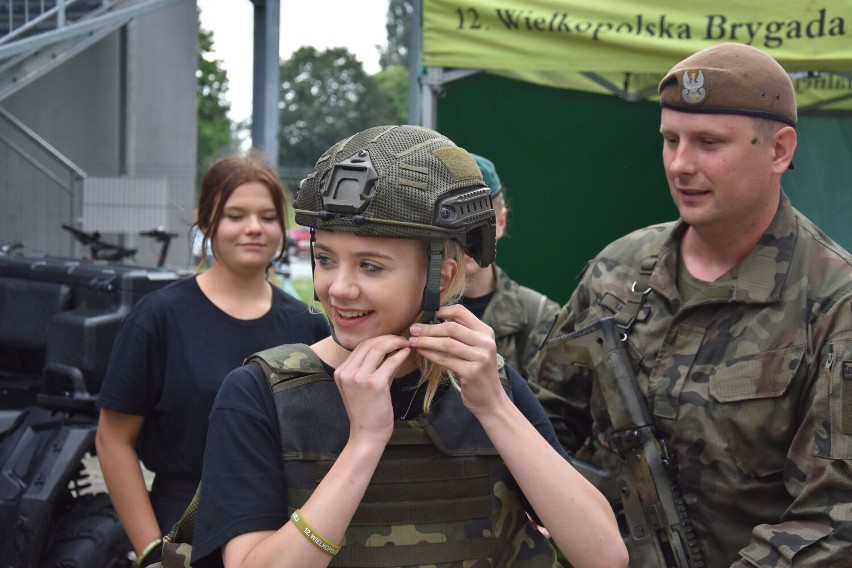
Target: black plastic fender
<point>39,459</point>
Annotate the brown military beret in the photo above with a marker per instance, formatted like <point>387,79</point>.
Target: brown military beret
<point>730,78</point>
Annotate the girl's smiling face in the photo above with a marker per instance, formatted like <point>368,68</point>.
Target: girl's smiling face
<point>249,232</point>
<point>368,286</point>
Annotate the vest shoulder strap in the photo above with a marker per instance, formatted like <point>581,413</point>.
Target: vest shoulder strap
<point>287,366</point>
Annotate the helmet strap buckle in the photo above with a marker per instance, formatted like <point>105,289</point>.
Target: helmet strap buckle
<point>432,291</point>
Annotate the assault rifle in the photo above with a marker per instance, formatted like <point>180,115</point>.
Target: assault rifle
<point>659,534</point>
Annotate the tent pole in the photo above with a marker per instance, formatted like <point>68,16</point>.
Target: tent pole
<point>428,101</point>
<point>415,56</point>
<point>436,78</point>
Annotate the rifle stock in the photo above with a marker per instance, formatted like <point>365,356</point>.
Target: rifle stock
<point>658,530</point>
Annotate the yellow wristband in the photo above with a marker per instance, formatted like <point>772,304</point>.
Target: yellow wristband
<point>140,558</point>
<point>312,535</point>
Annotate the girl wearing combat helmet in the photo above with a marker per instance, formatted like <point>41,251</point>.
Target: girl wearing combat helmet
<point>402,439</point>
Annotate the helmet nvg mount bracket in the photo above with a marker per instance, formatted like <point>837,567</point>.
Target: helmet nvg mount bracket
<point>350,185</point>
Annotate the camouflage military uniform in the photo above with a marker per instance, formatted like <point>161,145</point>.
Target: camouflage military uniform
<point>520,318</point>
<point>750,382</point>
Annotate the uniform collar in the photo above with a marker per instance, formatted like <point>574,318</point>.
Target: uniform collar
<point>758,279</point>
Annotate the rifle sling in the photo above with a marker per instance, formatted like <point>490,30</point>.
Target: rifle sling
<point>635,309</point>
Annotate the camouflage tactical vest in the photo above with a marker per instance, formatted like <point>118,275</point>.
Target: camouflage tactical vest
<point>441,495</point>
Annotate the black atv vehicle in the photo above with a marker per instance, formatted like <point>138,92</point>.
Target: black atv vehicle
<point>58,320</point>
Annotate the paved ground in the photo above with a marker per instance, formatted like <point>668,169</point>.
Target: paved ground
<point>93,468</point>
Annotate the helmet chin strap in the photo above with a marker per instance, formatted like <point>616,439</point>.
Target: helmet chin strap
<point>334,334</point>
<point>316,297</point>
<point>432,291</point>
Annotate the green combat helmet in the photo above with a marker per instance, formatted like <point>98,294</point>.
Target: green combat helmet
<point>402,182</point>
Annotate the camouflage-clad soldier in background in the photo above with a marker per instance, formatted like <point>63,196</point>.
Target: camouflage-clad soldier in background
<point>519,316</point>
<point>742,340</point>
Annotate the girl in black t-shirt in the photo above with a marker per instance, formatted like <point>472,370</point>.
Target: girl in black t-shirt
<point>178,343</point>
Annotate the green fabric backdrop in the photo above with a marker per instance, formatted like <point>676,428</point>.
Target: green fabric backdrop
<point>820,185</point>
<point>582,169</point>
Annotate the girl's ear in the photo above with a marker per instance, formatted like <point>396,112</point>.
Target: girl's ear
<point>449,270</point>
<point>501,213</point>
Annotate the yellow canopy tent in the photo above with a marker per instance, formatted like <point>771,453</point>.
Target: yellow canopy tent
<point>624,48</point>
<point>528,83</point>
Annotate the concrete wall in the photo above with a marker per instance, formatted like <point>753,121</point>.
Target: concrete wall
<point>124,106</point>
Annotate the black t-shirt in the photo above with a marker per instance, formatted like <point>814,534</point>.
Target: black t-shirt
<point>477,305</point>
<point>243,473</point>
<point>170,358</point>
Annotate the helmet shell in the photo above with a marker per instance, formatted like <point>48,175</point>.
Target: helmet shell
<point>400,182</point>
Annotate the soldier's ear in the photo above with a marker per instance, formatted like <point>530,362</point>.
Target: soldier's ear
<point>784,144</point>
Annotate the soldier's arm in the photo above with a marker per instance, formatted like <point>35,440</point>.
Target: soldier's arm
<point>564,389</point>
<point>538,332</point>
<point>816,529</point>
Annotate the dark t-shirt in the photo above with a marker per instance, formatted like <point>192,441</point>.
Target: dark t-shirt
<point>243,473</point>
<point>170,358</point>
<point>477,305</point>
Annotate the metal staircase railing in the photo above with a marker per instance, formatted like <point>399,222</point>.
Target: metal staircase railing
<point>35,37</point>
<point>41,175</point>
<point>20,18</point>
<point>38,35</point>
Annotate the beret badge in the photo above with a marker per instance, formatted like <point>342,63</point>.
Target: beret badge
<point>693,86</point>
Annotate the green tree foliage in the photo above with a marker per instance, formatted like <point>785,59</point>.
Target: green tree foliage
<point>326,96</point>
<point>215,130</point>
<point>394,82</point>
<point>393,57</point>
<point>398,26</point>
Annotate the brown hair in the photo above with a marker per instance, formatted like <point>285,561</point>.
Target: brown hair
<point>219,183</point>
<point>765,128</point>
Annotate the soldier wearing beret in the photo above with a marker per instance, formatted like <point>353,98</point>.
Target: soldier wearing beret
<point>519,316</point>
<point>742,336</point>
